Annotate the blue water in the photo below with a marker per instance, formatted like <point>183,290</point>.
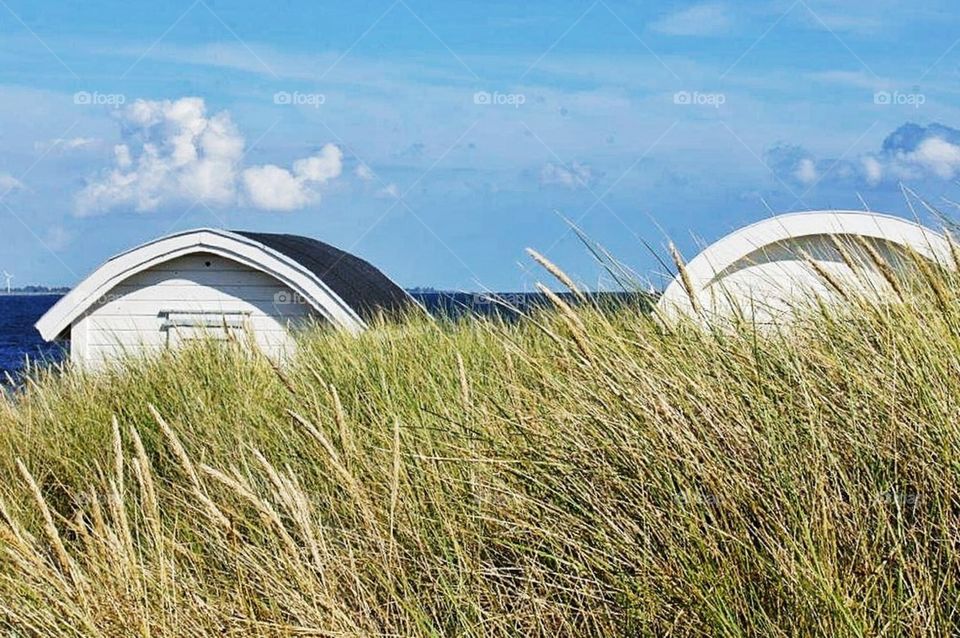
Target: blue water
<point>18,338</point>
<point>510,305</point>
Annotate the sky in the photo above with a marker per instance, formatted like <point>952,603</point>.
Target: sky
<point>439,140</point>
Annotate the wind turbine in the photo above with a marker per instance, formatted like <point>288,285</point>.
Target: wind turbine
<point>9,278</point>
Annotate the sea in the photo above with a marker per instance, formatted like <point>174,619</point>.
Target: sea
<point>20,342</point>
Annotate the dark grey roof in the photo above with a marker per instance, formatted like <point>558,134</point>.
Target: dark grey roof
<point>366,289</point>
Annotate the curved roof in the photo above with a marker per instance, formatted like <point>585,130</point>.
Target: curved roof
<point>342,288</point>
<point>712,264</point>
<point>366,289</point>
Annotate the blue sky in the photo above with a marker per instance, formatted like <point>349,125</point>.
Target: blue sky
<point>440,139</point>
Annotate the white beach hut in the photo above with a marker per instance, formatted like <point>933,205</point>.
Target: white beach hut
<point>763,270</point>
<point>217,283</point>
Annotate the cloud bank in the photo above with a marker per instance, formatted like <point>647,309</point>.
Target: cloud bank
<point>387,191</point>
<point>574,176</point>
<point>174,153</point>
<point>706,19</point>
<point>911,152</point>
<point>65,144</point>
<point>9,183</point>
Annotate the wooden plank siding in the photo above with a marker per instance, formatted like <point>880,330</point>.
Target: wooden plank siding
<point>132,318</point>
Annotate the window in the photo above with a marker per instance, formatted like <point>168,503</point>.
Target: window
<point>185,326</point>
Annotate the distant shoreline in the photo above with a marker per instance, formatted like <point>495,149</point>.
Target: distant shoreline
<point>33,294</point>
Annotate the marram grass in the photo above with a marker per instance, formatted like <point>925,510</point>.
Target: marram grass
<point>582,472</point>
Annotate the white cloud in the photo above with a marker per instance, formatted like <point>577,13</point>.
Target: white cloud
<point>912,153</point>
<point>77,142</point>
<point>9,183</point>
<point>859,22</point>
<point>65,144</point>
<point>872,169</point>
<point>274,188</point>
<point>806,172</point>
<point>936,155</point>
<point>122,154</point>
<point>322,167</point>
<point>390,191</point>
<point>174,153</point>
<point>57,238</point>
<point>577,175</point>
<point>853,79</point>
<point>709,18</point>
<point>364,172</point>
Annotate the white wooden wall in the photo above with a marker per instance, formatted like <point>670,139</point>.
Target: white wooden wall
<point>130,318</point>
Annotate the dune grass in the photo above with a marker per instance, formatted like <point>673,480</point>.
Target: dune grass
<point>582,472</point>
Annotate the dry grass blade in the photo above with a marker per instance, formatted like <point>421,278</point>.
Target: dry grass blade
<point>343,430</point>
<point>262,507</point>
<point>295,504</point>
<point>395,479</point>
<point>145,476</point>
<point>827,276</point>
<point>882,265</point>
<point>53,535</point>
<point>464,383</point>
<point>935,281</point>
<point>177,447</point>
<point>181,454</point>
<point>685,279</point>
<point>554,270</point>
<point>954,249</point>
<point>117,453</point>
<point>348,481</point>
<point>852,262</point>
<point>570,318</point>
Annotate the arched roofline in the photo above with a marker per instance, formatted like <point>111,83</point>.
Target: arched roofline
<point>730,249</point>
<point>228,245</point>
